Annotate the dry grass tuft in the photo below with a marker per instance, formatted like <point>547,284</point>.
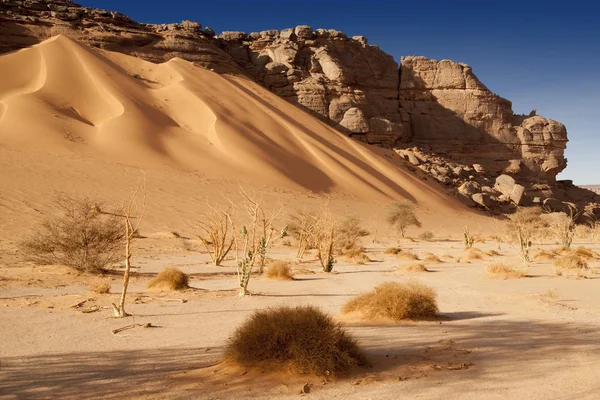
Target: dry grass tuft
<point>397,301</point>
<point>279,270</point>
<point>431,258</point>
<point>472,254</point>
<point>302,338</point>
<point>503,271</point>
<point>571,263</point>
<point>416,267</point>
<point>407,255</point>
<point>393,250</point>
<point>544,255</point>
<point>101,287</point>
<point>492,253</point>
<point>356,255</point>
<point>585,253</point>
<point>169,279</point>
<point>426,235</point>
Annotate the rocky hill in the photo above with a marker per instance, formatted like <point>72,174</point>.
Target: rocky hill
<point>440,107</point>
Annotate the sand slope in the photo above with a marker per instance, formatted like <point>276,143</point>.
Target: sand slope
<point>64,98</point>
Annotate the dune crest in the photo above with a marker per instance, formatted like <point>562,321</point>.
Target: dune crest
<point>64,96</point>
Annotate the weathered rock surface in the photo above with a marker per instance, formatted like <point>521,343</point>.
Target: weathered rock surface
<point>452,113</point>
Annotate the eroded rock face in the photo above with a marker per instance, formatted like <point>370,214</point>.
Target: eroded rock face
<point>452,113</point>
<point>342,80</point>
<point>25,23</point>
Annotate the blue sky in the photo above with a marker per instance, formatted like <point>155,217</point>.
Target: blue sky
<point>538,54</point>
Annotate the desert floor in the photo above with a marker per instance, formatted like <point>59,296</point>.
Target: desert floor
<point>532,338</point>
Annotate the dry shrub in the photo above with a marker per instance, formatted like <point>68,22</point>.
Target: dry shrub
<point>101,287</point>
<point>170,279</point>
<point>402,216</point>
<point>349,232</point>
<point>356,255</point>
<point>472,254</point>
<point>393,250</point>
<point>585,253</point>
<point>504,271</point>
<point>571,263</point>
<point>426,235</point>
<point>415,267</point>
<point>279,270</point>
<point>301,227</point>
<point>544,255</point>
<point>302,338</point>
<point>407,255</point>
<point>82,238</point>
<point>397,301</point>
<point>523,226</point>
<point>561,226</point>
<point>431,258</point>
<point>216,232</point>
<point>492,253</point>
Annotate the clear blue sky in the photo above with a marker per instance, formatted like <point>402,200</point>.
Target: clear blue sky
<point>538,54</point>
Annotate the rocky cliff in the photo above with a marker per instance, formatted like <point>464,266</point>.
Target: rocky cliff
<point>440,107</point>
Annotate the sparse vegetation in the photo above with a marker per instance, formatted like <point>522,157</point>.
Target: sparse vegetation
<point>279,270</point>
<point>349,232</point>
<point>472,254</point>
<point>324,237</point>
<point>521,229</point>
<point>301,227</point>
<point>216,233</point>
<point>468,237</point>
<point>416,267</point>
<point>562,227</point>
<point>101,287</point>
<point>356,255</point>
<point>82,237</point>
<point>585,253</point>
<point>571,263</point>
<point>393,250</point>
<point>544,255</point>
<point>504,271</point>
<point>407,255</point>
<point>431,258</point>
<point>426,235</point>
<point>302,338</point>
<point>170,279</point>
<point>402,216</point>
<point>396,301</point>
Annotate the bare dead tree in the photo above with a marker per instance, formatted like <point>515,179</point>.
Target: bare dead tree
<point>216,237</point>
<point>301,227</point>
<point>132,211</point>
<point>324,237</point>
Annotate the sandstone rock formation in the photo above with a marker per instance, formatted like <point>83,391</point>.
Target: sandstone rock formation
<point>452,113</point>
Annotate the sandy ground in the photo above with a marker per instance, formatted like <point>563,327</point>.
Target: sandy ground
<point>535,338</point>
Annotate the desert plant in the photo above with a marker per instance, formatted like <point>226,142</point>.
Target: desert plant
<point>301,227</point>
<point>468,237</point>
<point>426,235</point>
<point>216,233</point>
<point>396,301</point>
<point>522,227</point>
<point>349,232</point>
<point>101,287</point>
<point>584,253</point>
<point>416,267</point>
<point>169,279</point>
<point>544,255</point>
<point>324,238</point>
<point>301,338</point>
<point>402,216</point>
<point>279,270</point>
<point>81,237</point>
<point>407,255</point>
<point>504,271</point>
<point>431,258</point>
<point>571,262</point>
<point>356,255</point>
<point>393,250</point>
<point>562,226</point>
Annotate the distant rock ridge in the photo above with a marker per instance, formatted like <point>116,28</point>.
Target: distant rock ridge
<point>438,106</point>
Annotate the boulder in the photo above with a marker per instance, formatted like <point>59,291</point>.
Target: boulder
<point>354,120</point>
<point>303,32</point>
<point>482,199</point>
<point>469,188</point>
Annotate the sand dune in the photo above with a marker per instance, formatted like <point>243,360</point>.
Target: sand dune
<point>65,98</point>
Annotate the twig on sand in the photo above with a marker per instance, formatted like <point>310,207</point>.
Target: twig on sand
<point>127,327</point>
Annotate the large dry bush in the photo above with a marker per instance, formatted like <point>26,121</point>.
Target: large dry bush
<point>303,338</point>
<point>523,226</point>
<point>402,216</point>
<point>349,232</point>
<point>301,227</point>
<point>397,301</point>
<point>279,270</point>
<point>170,279</point>
<point>571,263</point>
<point>561,226</point>
<point>505,271</point>
<point>82,237</point>
<point>216,233</point>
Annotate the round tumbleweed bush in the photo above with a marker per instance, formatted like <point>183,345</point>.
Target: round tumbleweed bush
<point>302,338</point>
<point>170,279</point>
<point>396,301</point>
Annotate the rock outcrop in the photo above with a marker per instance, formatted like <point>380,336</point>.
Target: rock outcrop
<point>343,80</point>
<point>452,113</point>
